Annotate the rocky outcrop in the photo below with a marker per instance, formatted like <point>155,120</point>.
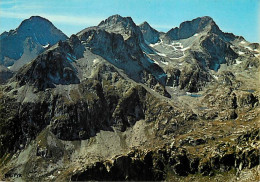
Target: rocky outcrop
<point>218,51</point>
<point>5,74</point>
<point>47,70</point>
<point>124,54</point>
<point>151,35</point>
<point>156,165</point>
<point>193,78</point>
<point>173,77</point>
<point>124,26</point>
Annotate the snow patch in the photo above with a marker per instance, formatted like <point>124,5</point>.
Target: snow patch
<point>95,61</point>
<point>242,42</point>
<point>157,43</point>
<point>155,62</point>
<point>216,77</point>
<point>195,35</point>
<point>184,49</point>
<point>45,46</point>
<point>238,62</point>
<point>166,63</point>
<point>164,55</point>
<point>9,67</point>
<point>240,53</point>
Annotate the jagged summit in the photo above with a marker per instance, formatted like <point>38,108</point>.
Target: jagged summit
<point>150,34</point>
<point>189,28</point>
<point>121,25</point>
<point>116,19</point>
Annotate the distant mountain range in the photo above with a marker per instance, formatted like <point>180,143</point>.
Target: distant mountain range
<point>120,101</point>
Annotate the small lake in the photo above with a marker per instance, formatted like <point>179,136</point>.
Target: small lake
<point>193,95</point>
<point>251,91</point>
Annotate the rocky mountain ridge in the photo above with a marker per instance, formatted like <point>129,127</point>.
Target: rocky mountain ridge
<point>124,102</point>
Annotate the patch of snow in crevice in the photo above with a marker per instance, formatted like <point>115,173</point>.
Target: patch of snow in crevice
<point>166,63</point>
<point>238,62</point>
<point>195,35</point>
<point>160,54</point>
<point>95,61</point>
<point>155,62</point>
<point>240,53</point>
<point>9,67</point>
<point>184,49</point>
<point>45,46</point>
<point>242,42</point>
<point>157,43</point>
<point>216,77</point>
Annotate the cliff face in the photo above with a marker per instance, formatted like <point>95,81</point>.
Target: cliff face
<point>122,102</point>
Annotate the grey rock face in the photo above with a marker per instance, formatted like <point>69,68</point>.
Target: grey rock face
<point>150,34</point>
<point>27,41</point>
<point>120,41</point>
<point>189,28</point>
<point>5,74</point>
<point>48,69</point>
<point>219,51</point>
<point>123,26</point>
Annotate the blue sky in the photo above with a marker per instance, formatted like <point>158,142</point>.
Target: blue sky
<point>241,17</point>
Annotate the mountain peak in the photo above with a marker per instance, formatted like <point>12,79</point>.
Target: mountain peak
<point>150,34</point>
<point>34,21</point>
<point>121,25</point>
<point>145,24</point>
<point>38,27</point>
<point>36,17</point>
<point>28,40</point>
<point>189,28</point>
<point>114,19</point>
